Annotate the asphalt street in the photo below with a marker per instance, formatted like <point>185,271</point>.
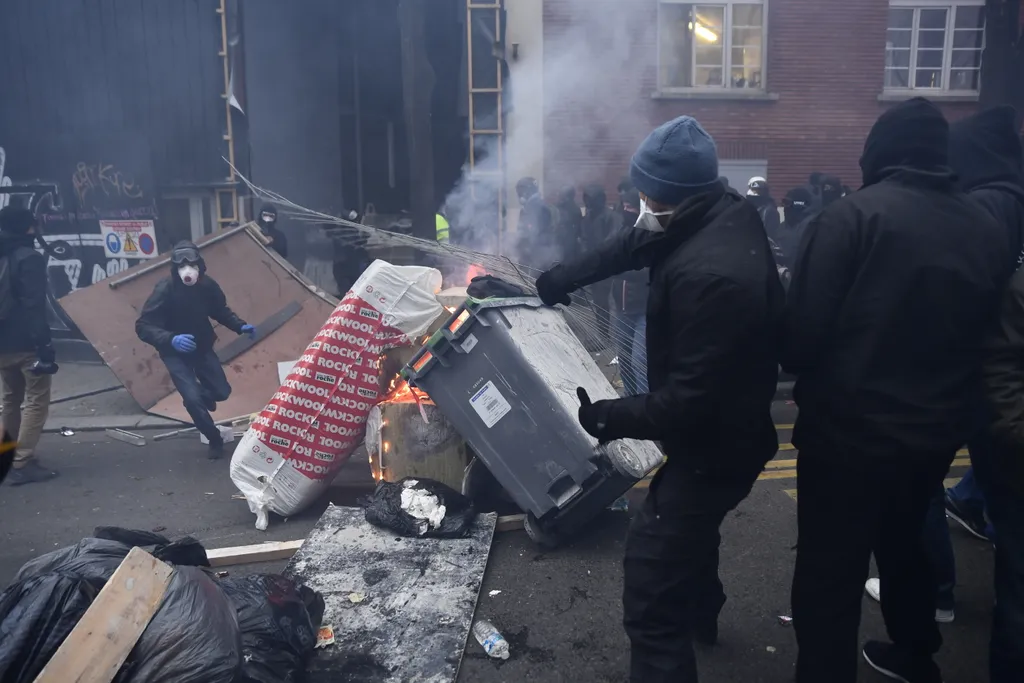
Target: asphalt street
<point>559,610</point>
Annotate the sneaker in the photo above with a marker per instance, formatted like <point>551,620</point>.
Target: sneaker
<point>31,473</point>
<point>215,451</point>
<point>967,516</point>
<point>943,615</point>
<point>890,661</point>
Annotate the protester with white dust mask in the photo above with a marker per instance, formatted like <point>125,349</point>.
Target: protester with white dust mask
<point>268,225</point>
<point>713,315</point>
<point>176,321</point>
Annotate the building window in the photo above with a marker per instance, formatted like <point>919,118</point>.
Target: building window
<point>711,45</point>
<point>930,47</point>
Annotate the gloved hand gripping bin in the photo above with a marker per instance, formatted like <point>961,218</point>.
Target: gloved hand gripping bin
<point>504,372</point>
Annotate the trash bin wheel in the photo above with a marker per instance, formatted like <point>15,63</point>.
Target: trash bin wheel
<point>538,534</point>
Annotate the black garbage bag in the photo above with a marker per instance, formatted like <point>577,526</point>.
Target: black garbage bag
<point>36,615</point>
<point>192,638</point>
<point>98,557</point>
<point>411,507</point>
<point>279,620</point>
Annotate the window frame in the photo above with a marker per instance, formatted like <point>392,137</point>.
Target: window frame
<point>727,65</point>
<point>951,7</point>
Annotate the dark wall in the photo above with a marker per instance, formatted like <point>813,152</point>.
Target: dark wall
<point>108,101</point>
<point>292,58</point>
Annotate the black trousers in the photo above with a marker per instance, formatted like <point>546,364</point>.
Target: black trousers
<point>851,505</point>
<point>671,567</point>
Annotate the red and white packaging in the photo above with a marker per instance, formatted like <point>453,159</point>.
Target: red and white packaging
<point>317,418</point>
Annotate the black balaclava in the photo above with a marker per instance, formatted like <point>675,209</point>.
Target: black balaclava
<point>797,205</point>
<point>526,188</point>
<point>272,211</point>
<point>985,148</point>
<point>594,199</point>
<point>186,255</point>
<point>913,134</point>
<point>831,189</point>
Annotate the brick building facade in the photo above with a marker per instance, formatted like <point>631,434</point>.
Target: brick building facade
<point>784,86</point>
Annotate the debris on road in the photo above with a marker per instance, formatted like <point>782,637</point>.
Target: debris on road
<point>420,508</point>
<point>770,648</point>
<point>67,431</point>
<point>126,436</point>
<point>490,639</point>
<point>785,621</point>
<point>325,636</point>
<point>356,598</point>
<point>494,593</point>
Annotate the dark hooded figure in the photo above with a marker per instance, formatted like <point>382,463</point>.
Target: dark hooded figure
<point>176,321</point>
<point>831,190</point>
<point>893,290</point>
<point>599,223</point>
<point>985,152</point>
<point>798,210</point>
<point>629,295</point>
<point>268,224</point>
<point>570,219</point>
<point>760,195</point>
<point>713,312</point>
<point>537,243</point>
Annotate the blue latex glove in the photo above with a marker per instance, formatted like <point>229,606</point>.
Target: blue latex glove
<point>249,330</point>
<point>184,343</point>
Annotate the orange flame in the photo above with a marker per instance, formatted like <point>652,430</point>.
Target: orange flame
<point>474,271</point>
<point>399,391</point>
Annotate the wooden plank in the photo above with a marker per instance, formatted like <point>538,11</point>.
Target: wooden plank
<point>401,608</point>
<point>242,344</point>
<point>101,641</point>
<point>260,552</point>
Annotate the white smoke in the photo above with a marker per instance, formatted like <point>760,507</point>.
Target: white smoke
<point>565,112</point>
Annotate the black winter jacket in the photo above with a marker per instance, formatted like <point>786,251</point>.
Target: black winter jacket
<point>892,292</point>
<point>629,291</point>
<point>713,320</point>
<point>26,329</point>
<point>769,213</point>
<point>175,308</point>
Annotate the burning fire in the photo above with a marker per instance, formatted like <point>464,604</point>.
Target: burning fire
<point>474,271</point>
<point>399,391</point>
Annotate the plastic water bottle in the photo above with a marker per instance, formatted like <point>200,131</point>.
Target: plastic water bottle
<point>490,639</point>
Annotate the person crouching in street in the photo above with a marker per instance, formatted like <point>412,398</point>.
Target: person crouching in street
<point>176,321</point>
<point>713,319</point>
<point>27,359</point>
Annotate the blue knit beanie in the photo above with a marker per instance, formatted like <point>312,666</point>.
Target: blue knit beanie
<point>678,160</point>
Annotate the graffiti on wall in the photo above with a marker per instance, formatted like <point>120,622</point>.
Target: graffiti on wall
<point>75,255</point>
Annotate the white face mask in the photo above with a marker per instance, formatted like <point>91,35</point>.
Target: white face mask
<point>268,218</point>
<point>189,275</point>
<point>648,219</point>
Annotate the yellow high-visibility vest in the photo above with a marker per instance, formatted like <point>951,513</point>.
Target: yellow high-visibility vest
<point>442,228</point>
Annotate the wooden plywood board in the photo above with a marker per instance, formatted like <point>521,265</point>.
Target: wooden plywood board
<point>257,286</point>
<point>101,641</point>
<point>401,608</point>
<point>259,552</point>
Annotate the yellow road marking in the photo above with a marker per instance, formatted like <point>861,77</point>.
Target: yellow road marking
<point>783,427</point>
<point>778,464</point>
<point>947,483</point>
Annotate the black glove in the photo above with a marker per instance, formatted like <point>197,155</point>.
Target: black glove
<point>550,290</point>
<point>46,363</point>
<point>593,416</point>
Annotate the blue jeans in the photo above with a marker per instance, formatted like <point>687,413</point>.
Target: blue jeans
<point>630,336</point>
<point>199,378</point>
<point>1005,507</point>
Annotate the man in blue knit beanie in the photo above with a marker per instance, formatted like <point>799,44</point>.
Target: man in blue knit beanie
<point>713,317</point>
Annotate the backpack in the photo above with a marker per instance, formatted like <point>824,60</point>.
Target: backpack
<point>6,287</point>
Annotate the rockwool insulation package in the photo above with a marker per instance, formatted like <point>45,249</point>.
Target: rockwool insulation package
<point>316,419</point>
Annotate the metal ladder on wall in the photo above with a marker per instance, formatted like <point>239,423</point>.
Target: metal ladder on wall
<point>227,197</point>
<point>484,59</point>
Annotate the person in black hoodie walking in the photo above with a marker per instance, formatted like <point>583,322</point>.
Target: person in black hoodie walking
<point>797,209</point>
<point>893,290</point>
<point>714,307</point>
<point>760,195</point>
<point>986,154</point>
<point>176,321</point>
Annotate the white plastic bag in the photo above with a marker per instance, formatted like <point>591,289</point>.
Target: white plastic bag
<point>295,447</point>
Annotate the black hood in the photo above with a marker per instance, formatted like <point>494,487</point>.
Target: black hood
<point>913,135</point>
<point>595,199</point>
<point>267,208</point>
<point>9,242</point>
<point>985,148</point>
<point>183,247</point>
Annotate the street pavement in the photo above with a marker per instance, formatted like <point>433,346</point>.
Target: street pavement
<point>560,610</point>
